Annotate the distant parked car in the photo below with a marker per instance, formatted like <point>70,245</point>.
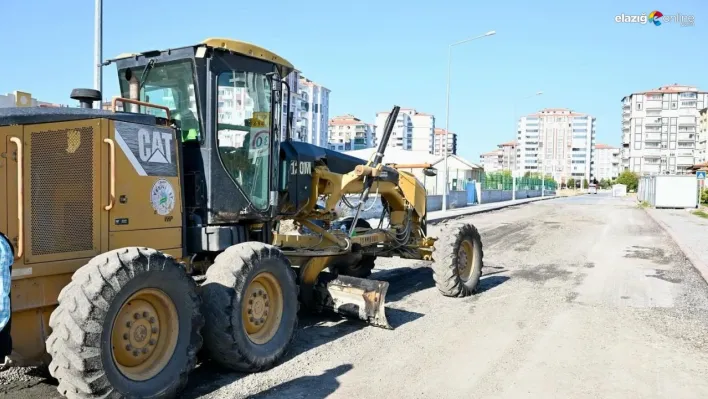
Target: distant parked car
<point>592,188</point>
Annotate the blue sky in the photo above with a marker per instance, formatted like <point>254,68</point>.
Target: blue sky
<point>374,54</point>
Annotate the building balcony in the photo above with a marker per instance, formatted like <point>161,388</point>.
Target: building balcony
<point>651,152</point>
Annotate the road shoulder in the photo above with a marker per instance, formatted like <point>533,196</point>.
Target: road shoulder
<point>439,216</point>
<point>688,231</point>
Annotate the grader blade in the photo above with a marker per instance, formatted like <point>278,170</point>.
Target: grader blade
<point>356,297</point>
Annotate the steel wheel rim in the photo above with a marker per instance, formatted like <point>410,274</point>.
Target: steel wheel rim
<point>144,334</point>
<point>465,260</point>
<point>262,308</point>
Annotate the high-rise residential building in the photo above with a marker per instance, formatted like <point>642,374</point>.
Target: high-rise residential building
<point>557,142</point>
<point>702,149</point>
<point>503,158</point>
<point>312,113</point>
<point>607,162</point>
<point>439,144</point>
<point>348,133</point>
<point>423,130</point>
<point>660,128</point>
<point>402,134</point>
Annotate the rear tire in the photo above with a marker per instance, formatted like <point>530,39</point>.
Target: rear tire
<point>459,266</point>
<point>250,302</point>
<point>90,338</point>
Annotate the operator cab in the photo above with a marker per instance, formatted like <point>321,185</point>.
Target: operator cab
<point>225,97</point>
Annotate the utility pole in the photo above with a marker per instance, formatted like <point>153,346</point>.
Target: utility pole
<point>447,109</point>
<point>98,50</point>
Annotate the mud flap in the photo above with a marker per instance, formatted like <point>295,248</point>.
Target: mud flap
<point>359,298</point>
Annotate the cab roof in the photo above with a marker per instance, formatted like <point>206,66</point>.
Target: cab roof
<point>236,46</point>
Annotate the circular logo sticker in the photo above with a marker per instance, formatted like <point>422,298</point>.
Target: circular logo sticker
<point>162,197</point>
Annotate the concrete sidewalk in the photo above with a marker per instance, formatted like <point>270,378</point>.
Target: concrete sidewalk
<point>688,231</point>
<point>439,216</point>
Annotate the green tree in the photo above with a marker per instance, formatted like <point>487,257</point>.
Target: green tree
<point>571,183</point>
<point>586,184</point>
<point>629,179</point>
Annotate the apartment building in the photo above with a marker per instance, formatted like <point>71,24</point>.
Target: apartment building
<point>660,130</point>
<point>440,145</point>
<point>422,137</point>
<point>607,162</point>
<point>349,133</point>
<point>503,158</point>
<point>508,151</point>
<point>702,147</point>
<point>311,116</point>
<point>402,134</point>
<point>491,161</point>
<point>557,142</point>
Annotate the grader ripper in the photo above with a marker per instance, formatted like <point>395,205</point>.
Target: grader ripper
<point>115,215</point>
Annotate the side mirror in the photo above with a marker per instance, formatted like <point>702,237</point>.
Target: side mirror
<point>430,172</point>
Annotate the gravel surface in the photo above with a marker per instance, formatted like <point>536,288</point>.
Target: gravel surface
<point>582,297</point>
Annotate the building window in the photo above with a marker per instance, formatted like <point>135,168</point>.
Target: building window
<point>639,106</point>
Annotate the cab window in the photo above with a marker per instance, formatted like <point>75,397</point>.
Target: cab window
<point>169,84</point>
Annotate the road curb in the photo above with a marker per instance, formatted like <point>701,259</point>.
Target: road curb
<point>692,257</point>
<point>473,211</point>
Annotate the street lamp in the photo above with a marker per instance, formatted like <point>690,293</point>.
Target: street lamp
<point>447,108</point>
<point>513,173</point>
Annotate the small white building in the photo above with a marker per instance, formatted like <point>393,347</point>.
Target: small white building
<point>23,99</point>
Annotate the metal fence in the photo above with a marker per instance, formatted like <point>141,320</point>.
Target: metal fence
<point>506,182</point>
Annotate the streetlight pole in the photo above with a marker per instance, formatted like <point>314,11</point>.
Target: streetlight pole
<point>516,130</point>
<point>98,50</point>
<point>447,109</point>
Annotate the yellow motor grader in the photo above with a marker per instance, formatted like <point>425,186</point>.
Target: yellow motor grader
<point>151,231</point>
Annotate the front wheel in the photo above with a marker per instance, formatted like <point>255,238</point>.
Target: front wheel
<point>459,266</point>
<point>250,302</point>
<point>128,324</point>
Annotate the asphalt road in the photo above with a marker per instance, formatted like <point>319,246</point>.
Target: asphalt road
<point>582,297</point>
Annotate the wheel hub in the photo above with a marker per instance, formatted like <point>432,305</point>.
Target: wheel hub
<point>141,332</point>
<point>465,260</point>
<point>262,308</point>
<point>258,306</point>
<point>144,334</point>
